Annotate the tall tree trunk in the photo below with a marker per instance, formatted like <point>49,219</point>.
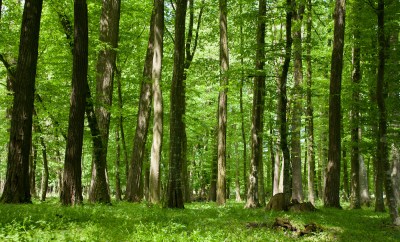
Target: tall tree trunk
<point>364,183</point>
<point>109,29</point>
<point>45,173</point>
<point>32,169</point>
<point>174,189</point>
<point>72,178</point>
<point>242,77</point>
<point>118,191</point>
<point>297,185</point>
<point>237,173</point>
<point>346,187</point>
<point>355,118</point>
<point>258,112</point>
<point>309,112</point>
<point>133,190</point>
<point>156,146</point>
<point>381,95</point>
<point>222,101</point>
<point>282,104</point>
<point>332,182</point>
<point>17,185</point>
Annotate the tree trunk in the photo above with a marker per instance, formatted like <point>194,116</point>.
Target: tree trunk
<point>17,185</point>
<point>72,181</point>
<point>309,112</point>
<point>156,147</point>
<point>258,112</point>
<point>364,183</point>
<point>297,185</point>
<point>32,169</point>
<point>282,104</point>
<point>332,182</point>
<point>381,95</point>
<point>143,118</point>
<point>355,119</point>
<point>241,103</point>
<point>174,189</point>
<point>45,173</point>
<point>237,173</point>
<point>118,191</point>
<point>109,28</point>
<point>346,188</point>
<point>222,101</point>
<point>214,169</point>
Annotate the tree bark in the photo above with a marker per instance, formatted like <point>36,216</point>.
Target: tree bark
<point>118,191</point>
<point>258,112</point>
<point>222,101</point>
<point>309,111</point>
<point>109,29</point>
<point>297,185</point>
<point>174,189</point>
<point>355,119</point>
<point>156,147</point>
<point>282,105</point>
<point>332,182</point>
<point>381,95</point>
<point>133,190</point>
<point>72,182</point>
<point>17,185</point>
<point>45,173</point>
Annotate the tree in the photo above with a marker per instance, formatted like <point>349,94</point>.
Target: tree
<point>309,110</point>
<point>332,182</point>
<point>158,31</point>
<point>174,189</point>
<point>72,184</point>
<point>17,186</point>
<point>109,28</point>
<point>222,101</point>
<point>258,111</point>
<point>133,191</point>
<point>355,115</point>
<point>297,101</point>
<point>282,106</point>
<point>381,95</point>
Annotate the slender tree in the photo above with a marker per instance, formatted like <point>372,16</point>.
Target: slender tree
<point>332,182</point>
<point>133,191</point>
<point>282,106</point>
<point>17,185</point>
<point>258,111</point>
<point>355,113</point>
<point>158,31</point>
<point>381,95</point>
<point>222,104</point>
<point>174,189</point>
<point>109,29</point>
<point>72,182</point>
<point>309,110</point>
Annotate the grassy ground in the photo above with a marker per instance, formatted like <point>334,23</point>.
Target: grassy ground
<point>197,222</point>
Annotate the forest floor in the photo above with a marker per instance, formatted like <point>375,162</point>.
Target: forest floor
<point>49,221</point>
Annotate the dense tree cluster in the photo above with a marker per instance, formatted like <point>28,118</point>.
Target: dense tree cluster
<point>297,97</point>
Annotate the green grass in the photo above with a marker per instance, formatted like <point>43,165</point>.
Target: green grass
<point>123,221</point>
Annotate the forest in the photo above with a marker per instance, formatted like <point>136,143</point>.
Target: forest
<point>235,111</point>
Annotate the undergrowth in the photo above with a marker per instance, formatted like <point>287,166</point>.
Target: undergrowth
<point>123,221</point>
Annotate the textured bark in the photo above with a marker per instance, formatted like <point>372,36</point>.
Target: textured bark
<point>332,182</point>
<point>133,190</point>
<point>174,189</point>
<point>222,101</point>
<point>118,191</point>
<point>241,103</point>
<point>282,105</point>
<point>32,169</point>
<point>310,112</point>
<point>45,173</point>
<point>72,179</point>
<point>109,28</point>
<point>258,112</point>
<point>156,146</point>
<point>355,201</point>
<point>381,95</point>
<point>297,185</point>
<point>17,185</point>
<point>346,187</point>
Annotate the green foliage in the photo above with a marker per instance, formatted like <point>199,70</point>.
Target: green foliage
<point>198,222</point>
